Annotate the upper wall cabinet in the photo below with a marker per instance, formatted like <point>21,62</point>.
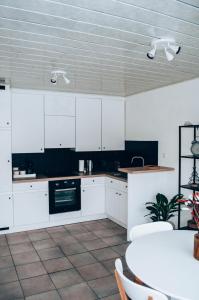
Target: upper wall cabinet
<point>88,124</point>
<point>5,162</point>
<point>113,125</point>
<point>27,123</point>
<point>59,105</point>
<point>5,108</point>
<point>59,121</point>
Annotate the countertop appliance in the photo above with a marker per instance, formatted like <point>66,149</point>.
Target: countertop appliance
<point>64,196</point>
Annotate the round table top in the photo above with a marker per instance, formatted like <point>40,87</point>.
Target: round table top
<point>164,261</point>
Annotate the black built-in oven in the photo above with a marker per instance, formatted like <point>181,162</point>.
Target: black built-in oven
<point>64,196</point>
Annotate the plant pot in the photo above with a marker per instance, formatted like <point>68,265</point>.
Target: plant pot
<point>196,246</point>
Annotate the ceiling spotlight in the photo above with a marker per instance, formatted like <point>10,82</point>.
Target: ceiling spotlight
<point>175,48</point>
<point>151,53</point>
<point>169,56</point>
<point>56,74</point>
<point>163,44</point>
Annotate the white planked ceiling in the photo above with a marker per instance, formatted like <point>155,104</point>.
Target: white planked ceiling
<point>102,44</point>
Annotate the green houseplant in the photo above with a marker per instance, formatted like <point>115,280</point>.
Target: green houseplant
<point>162,209</point>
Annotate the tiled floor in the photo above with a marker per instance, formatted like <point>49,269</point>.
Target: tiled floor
<point>68,262</point>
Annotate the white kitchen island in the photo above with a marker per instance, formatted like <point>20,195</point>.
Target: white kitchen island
<point>143,185</point>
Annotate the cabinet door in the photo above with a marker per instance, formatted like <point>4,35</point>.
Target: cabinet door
<point>5,109</point>
<point>88,124</point>
<point>5,161</point>
<point>59,132</point>
<point>93,200</point>
<point>113,125</point>
<point>116,206</point>
<point>6,211</point>
<point>27,123</point>
<point>59,105</point>
<point>30,208</point>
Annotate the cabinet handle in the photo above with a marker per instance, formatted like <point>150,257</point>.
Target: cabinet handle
<point>9,198</point>
<point>99,148</point>
<point>104,148</point>
<point>83,191</point>
<point>8,161</point>
<point>41,149</point>
<point>31,186</point>
<point>59,144</point>
<point>8,123</point>
<point>46,194</point>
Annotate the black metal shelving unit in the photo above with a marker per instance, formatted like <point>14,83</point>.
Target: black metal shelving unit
<point>181,186</point>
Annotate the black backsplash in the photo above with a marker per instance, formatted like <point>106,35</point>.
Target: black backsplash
<point>58,162</point>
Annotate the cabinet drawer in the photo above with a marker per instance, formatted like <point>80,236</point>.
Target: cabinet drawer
<point>117,184</point>
<point>92,181</point>
<point>30,186</point>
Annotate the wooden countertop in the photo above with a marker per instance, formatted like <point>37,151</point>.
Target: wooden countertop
<point>145,169</point>
<point>45,178</point>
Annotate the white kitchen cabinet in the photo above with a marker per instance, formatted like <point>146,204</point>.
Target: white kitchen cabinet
<point>27,123</point>
<point>31,205</point>
<point>6,211</point>
<point>116,201</point>
<point>59,105</point>
<point>113,125</point>
<point>59,132</point>
<point>88,124</point>
<point>92,198</point>
<point>5,108</point>
<point>5,161</point>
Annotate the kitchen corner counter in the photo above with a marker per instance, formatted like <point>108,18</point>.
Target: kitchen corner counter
<point>46,178</point>
<point>145,169</point>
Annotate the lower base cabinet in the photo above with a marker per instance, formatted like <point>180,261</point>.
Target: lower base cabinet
<point>116,202</point>
<point>31,205</point>
<point>6,211</point>
<point>93,197</point>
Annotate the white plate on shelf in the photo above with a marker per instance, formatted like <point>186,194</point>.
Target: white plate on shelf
<point>24,176</point>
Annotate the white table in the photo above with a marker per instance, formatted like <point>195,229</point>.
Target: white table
<point>164,261</point>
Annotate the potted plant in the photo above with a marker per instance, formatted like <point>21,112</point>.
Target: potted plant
<point>162,209</point>
<point>192,204</point>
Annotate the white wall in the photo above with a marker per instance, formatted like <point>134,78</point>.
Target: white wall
<point>156,115</point>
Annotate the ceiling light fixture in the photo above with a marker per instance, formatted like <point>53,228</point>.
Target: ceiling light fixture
<point>56,74</point>
<point>165,44</point>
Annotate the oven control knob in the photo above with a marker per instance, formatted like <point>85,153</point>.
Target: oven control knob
<point>57,184</point>
<point>65,181</point>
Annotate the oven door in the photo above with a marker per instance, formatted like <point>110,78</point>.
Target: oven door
<point>64,196</point>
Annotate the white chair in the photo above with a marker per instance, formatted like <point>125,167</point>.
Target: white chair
<point>148,228</point>
<point>133,290</point>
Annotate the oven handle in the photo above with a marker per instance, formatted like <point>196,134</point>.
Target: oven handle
<point>62,190</point>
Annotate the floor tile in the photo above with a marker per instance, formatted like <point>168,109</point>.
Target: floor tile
<point>55,229</point>
<point>25,257</point>
<point>11,291</point>
<point>37,236</point>
<point>17,238</point>
<point>93,271</point>
<point>65,239</point>
<point>93,226</point>
<point>50,253</point>
<point>8,275</point>
<point>105,286</point>
<point>3,241</point>
<point>112,297</point>
<point>109,232</point>
<point>77,292</point>
<point>23,247</point>
<point>30,270</point>
<point>105,253</point>
<point>4,250</point>
<point>43,244</point>
<point>6,261</point>
<point>95,244</point>
<point>66,278</point>
<point>76,228</point>
<point>73,248</point>
<point>88,236</point>
<point>51,295</point>
<point>57,264</point>
<point>121,249</point>
<point>82,259</point>
<point>110,264</point>
<point>37,285</point>
<point>115,240</point>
